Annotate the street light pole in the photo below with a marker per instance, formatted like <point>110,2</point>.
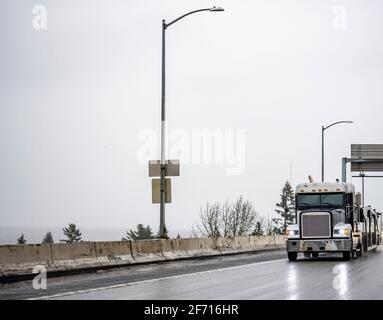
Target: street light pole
<point>163,118</point>
<point>323,130</point>
<point>323,153</point>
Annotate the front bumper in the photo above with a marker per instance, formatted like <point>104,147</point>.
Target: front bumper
<point>322,245</point>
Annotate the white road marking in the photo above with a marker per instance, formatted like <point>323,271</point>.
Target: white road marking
<point>71,293</point>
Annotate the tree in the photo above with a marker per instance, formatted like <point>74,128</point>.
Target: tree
<point>72,233</point>
<point>48,238</point>
<point>242,217</point>
<point>141,233</point>
<point>211,220</point>
<point>285,209</point>
<point>259,228</point>
<point>21,240</point>
<point>277,226</point>
<point>166,234</point>
<point>227,219</point>
<point>270,227</point>
<point>178,236</point>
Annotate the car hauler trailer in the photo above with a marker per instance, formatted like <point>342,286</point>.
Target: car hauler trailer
<point>329,219</point>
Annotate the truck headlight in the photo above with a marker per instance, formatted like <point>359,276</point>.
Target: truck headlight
<point>292,232</point>
<point>341,232</point>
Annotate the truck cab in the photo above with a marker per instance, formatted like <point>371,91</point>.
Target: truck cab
<point>326,216</point>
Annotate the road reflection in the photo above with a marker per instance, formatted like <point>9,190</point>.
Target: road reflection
<point>292,285</point>
<point>340,282</point>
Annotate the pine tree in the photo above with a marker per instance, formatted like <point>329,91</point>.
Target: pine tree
<point>48,238</point>
<point>178,236</point>
<point>285,209</point>
<point>21,240</point>
<point>258,229</point>
<point>166,234</point>
<point>72,233</point>
<point>142,233</point>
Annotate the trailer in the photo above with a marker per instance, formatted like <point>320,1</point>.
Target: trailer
<point>329,218</point>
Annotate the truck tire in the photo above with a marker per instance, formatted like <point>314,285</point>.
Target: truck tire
<point>292,256</point>
<point>346,255</point>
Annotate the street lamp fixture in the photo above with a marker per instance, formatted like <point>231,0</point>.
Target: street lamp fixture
<point>323,130</point>
<point>216,9</point>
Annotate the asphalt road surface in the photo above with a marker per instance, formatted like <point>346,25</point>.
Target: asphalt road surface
<point>266,275</point>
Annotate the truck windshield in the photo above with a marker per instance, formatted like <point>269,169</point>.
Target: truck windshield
<point>327,200</point>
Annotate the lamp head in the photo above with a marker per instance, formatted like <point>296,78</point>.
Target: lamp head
<point>216,9</point>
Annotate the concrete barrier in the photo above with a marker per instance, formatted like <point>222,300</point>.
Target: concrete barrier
<point>147,250</point>
<point>187,248</point>
<point>15,259</point>
<point>280,241</point>
<point>74,255</point>
<point>114,252</point>
<point>190,246</point>
<point>175,249</point>
<point>225,245</point>
<point>234,245</point>
<point>267,242</point>
<point>20,259</point>
<point>249,243</point>
<point>207,246</point>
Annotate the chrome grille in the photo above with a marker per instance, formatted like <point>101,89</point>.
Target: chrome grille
<point>316,225</point>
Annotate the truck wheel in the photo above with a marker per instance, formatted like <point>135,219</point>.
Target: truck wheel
<point>315,254</point>
<point>292,256</point>
<point>346,255</point>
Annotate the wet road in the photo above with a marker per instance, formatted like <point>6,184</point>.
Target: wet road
<point>130,274</point>
<point>324,278</point>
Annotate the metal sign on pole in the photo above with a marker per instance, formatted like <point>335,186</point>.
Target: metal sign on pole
<point>156,190</point>
<point>172,168</point>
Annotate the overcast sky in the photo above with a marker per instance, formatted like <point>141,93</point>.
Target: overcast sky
<point>75,97</point>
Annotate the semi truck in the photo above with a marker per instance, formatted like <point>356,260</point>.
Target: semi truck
<point>329,218</point>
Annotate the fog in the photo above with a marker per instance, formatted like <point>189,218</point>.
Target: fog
<point>78,98</point>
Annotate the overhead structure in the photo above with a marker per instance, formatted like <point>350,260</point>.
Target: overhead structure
<point>364,158</point>
<point>370,156</point>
